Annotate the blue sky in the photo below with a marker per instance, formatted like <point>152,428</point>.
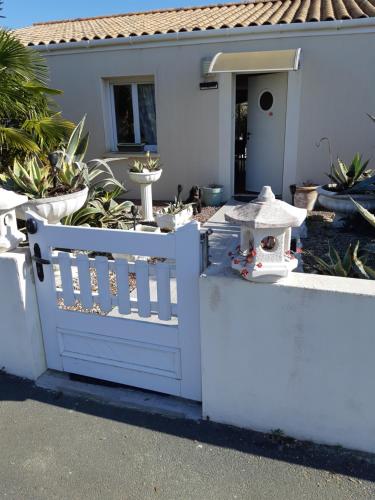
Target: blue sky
<point>20,13</point>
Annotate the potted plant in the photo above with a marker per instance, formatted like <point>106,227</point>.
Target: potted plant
<point>354,181</point>
<point>145,172</point>
<point>176,214</point>
<point>59,186</point>
<point>212,195</point>
<point>305,195</point>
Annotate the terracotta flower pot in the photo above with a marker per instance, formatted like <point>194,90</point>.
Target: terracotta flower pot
<point>305,197</point>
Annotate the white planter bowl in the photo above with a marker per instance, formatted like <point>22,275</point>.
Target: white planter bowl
<point>145,177</point>
<point>341,203</point>
<point>54,209</point>
<point>172,222</point>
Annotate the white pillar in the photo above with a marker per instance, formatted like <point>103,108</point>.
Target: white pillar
<point>21,343</point>
<point>146,197</point>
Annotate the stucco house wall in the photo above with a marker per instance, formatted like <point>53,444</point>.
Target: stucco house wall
<point>336,76</point>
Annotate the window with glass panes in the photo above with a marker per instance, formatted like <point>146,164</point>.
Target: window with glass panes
<point>135,116</point>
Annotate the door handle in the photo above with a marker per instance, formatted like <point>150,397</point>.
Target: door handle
<point>39,262</point>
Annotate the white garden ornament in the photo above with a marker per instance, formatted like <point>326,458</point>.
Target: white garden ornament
<point>10,236</point>
<point>266,228</point>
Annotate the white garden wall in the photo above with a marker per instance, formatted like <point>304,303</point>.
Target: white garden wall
<point>296,356</point>
<point>21,345</point>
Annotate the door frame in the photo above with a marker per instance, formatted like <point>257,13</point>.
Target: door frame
<point>227,100</point>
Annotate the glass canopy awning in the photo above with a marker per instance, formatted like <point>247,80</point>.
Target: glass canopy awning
<point>268,61</point>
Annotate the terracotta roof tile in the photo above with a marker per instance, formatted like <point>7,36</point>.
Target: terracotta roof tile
<point>220,16</point>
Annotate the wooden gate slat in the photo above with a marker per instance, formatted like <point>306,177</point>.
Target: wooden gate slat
<point>163,291</point>
<point>83,265</point>
<point>102,272</point>
<point>143,289</point>
<point>66,278</point>
<point>122,278</point>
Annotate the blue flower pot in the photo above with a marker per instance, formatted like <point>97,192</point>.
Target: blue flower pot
<point>212,196</point>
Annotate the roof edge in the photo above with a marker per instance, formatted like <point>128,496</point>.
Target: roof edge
<point>271,30</point>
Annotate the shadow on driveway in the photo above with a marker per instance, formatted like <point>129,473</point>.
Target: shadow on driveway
<point>276,447</point>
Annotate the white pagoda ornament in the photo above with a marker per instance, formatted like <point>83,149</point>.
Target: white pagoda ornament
<point>266,228</point>
<point>10,236</point>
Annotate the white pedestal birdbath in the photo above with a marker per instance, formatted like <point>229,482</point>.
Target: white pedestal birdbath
<point>145,180</point>
<point>10,237</point>
<point>266,227</point>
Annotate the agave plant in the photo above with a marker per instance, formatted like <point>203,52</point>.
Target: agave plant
<point>147,165</point>
<point>365,213</point>
<point>352,265</point>
<point>102,210</point>
<point>177,206</point>
<point>33,178</point>
<point>68,173</point>
<point>353,177</point>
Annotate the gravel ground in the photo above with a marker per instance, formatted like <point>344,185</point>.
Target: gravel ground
<point>322,232</point>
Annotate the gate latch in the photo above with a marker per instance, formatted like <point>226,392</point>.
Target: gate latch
<point>39,262</point>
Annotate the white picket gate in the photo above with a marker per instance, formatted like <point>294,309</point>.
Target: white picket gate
<point>95,324</point>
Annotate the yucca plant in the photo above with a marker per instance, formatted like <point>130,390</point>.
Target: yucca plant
<point>352,265</point>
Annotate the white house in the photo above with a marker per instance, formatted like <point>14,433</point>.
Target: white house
<point>175,82</point>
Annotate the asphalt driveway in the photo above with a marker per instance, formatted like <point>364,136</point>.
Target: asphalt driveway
<point>58,447</point>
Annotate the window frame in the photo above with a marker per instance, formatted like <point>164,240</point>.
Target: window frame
<point>136,118</point>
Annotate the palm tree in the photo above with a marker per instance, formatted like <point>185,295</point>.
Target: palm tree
<point>29,121</point>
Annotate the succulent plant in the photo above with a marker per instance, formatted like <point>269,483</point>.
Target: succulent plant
<point>177,206</point>
<point>365,213</point>
<point>354,177</point>
<point>102,210</point>
<point>64,173</point>
<point>352,265</point>
<point>146,165</point>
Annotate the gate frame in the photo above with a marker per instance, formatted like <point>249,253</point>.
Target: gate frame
<point>183,245</point>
